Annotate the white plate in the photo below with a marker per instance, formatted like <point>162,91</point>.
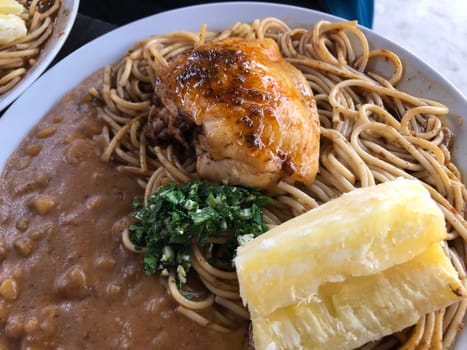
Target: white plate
<point>419,79</point>
<point>65,19</point>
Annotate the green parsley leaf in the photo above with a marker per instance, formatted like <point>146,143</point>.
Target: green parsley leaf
<point>177,215</point>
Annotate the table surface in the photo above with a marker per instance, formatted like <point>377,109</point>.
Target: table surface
<point>435,31</point>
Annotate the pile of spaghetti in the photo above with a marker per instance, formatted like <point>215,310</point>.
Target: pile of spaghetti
<point>18,56</point>
<point>371,132</point>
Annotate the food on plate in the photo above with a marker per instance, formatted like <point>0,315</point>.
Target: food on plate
<point>361,233</point>
<point>66,280</point>
<point>26,27</point>
<point>175,217</point>
<point>346,315</point>
<point>249,113</point>
<point>12,26</point>
<point>345,273</point>
<point>177,223</point>
<point>71,269</point>
<point>370,132</point>
<point>11,7</point>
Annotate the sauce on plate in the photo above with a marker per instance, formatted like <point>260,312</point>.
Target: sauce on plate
<point>66,281</point>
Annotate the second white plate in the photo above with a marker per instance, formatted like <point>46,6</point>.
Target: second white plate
<point>65,19</point>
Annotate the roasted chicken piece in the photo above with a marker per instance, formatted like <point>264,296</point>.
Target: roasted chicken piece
<point>254,117</point>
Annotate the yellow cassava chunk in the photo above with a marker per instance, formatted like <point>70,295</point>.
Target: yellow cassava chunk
<point>363,232</point>
<point>12,27</point>
<point>10,7</point>
<point>346,315</point>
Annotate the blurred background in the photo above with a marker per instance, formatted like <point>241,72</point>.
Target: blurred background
<point>435,31</point>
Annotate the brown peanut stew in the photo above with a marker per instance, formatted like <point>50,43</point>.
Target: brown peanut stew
<point>67,282</point>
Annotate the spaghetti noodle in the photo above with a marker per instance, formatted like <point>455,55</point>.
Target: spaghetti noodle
<point>371,132</point>
<point>18,56</point>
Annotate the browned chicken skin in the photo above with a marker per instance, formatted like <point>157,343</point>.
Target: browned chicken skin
<point>255,114</point>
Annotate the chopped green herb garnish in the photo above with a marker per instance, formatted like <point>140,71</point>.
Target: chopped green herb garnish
<point>177,215</point>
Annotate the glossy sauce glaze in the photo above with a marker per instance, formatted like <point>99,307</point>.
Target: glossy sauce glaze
<point>66,281</point>
<point>253,113</point>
